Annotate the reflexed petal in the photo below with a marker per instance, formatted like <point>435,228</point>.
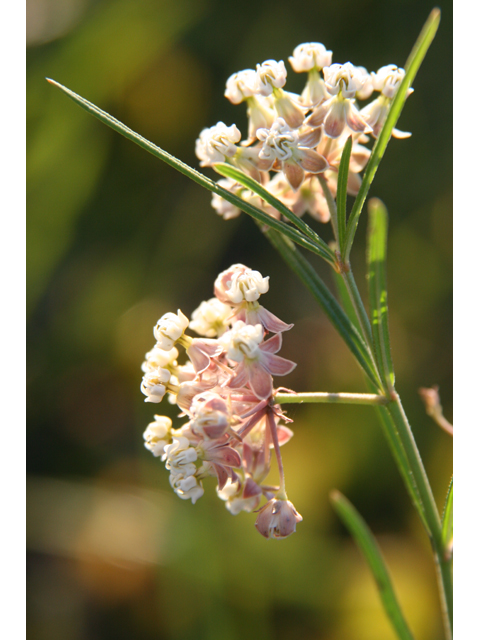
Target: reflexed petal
<point>312,161</point>
<point>294,174</point>
<point>354,183</point>
<point>276,365</point>
<point>260,381</point>
<point>289,111</point>
<point>284,434</point>
<point>401,135</point>
<point>310,137</point>
<point>225,456</point>
<point>273,344</point>
<point>335,120</point>
<point>271,322</point>
<point>251,488</point>
<point>317,118</point>
<point>355,121</point>
<point>222,475</point>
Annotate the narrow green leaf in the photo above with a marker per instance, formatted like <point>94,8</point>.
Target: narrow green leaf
<point>447,519</point>
<point>307,274</point>
<point>413,63</point>
<point>342,192</point>
<point>193,174</point>
<point>371,551</point>
<point>377,286</point>
<point>229,171</point>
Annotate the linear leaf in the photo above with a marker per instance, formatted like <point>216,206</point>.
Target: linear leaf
<point>447,520</point>
<point>342,192</point>
<point>229,171</point>
<point>412,65</point>
<point>377,286</point>
<point>307,274</point>
<point>371,551</point>
<point>193,174</point>
<point>345,300</point>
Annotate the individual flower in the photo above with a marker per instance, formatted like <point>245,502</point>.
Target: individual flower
<point>310,56</point>
<point>210,319</point>
<point>239,284</point>
<point>211,417</point>
<point>180,455</point>
<point>154,384</point>
<point>282,147</point>
<point>366,82</point>
<point>387,80</point>
<point>241,85</point>
<point>169,329</point>
<point>159,359</point>
<point>343,82</point>
<point>277,519</point>
<point>216,144</point>
<point>187,487</point>
<point>223,207</point>
<point>235,502</point>
<point>157,435</point>
<point>270,75</point>
<point>257,362</point>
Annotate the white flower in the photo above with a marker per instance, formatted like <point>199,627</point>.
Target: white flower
<point>180,456</point>
<point>223,207</point>
<point>154,384</point>
<point>233,498</point>
<point>169,329</point>
<point>158,359</point>
<point>239,284</point>
<point>388,79</point>
<point>187,487</point>
<point>210,415</point>
<point>279,142</point>
<point>157,435</point>
<point>271,74</point>
<point>217,143</point>
<point>210,319</point>
<point>241,85</point>
<point>242,341</point>
<point>345,78</point>
<point>366,89</point>
<point>310,55</point>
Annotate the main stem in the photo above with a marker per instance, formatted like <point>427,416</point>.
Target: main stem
<point>324,397</point>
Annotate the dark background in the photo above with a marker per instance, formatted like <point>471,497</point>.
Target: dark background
<point>116,239</point>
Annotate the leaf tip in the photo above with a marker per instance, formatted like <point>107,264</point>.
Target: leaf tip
<point>335,496</point>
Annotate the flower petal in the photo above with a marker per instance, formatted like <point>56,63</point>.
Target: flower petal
<point>276,365</point>
<point>294,174</point>
<point>312,161</point>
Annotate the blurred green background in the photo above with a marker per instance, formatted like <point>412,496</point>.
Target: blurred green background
<point>116,239</point>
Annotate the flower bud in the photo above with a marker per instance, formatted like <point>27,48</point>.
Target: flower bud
<point>310,55</point>
<point>239,284</point>
<point>217,143</point>
<point>210,319</point>
<point>271,74</point>
<point>154,384</point>
<point>277,519</point>
<point>157,435</point>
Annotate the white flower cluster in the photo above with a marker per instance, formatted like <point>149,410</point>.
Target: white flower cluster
<point>299,137</point>
<point>225,391</point>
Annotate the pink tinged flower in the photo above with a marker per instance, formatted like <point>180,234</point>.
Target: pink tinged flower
<point>345,79</point>
<point>270,75</point>
<point>235,502</point>
<point>220,454</point>
<point>375,115</point>
<point>366,81</point>
<point>277,519</point>
<point>249,160</point>
<point>217,143</point>
<point>239,284</point>
<point>154,384</point>
<point>243,344</point>
<point>169,329</point>
<point>211,417</point>
<point>241,85</point>
<point>158,435</point>
<point>287,107</point>
<point>282,147</point>
<point>310,55</point>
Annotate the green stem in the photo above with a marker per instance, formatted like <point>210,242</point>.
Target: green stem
<point>337,398</point>
<point>396,412</point>
<point>358,305</point>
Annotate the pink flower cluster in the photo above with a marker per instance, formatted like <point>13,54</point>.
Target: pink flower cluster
<point>225,391</point>
<point>300,137</point>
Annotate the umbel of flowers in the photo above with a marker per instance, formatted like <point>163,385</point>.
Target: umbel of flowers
<point>292,139</point>
<point>225,393</point>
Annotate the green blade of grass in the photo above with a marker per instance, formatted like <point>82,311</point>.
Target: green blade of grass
<point>371,551</point>
<point>193,174</point>
<point>412,65</point>
<point>377,287</point>
<point>447,520</point>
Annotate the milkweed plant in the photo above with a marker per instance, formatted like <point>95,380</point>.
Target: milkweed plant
<point>302,154</point>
